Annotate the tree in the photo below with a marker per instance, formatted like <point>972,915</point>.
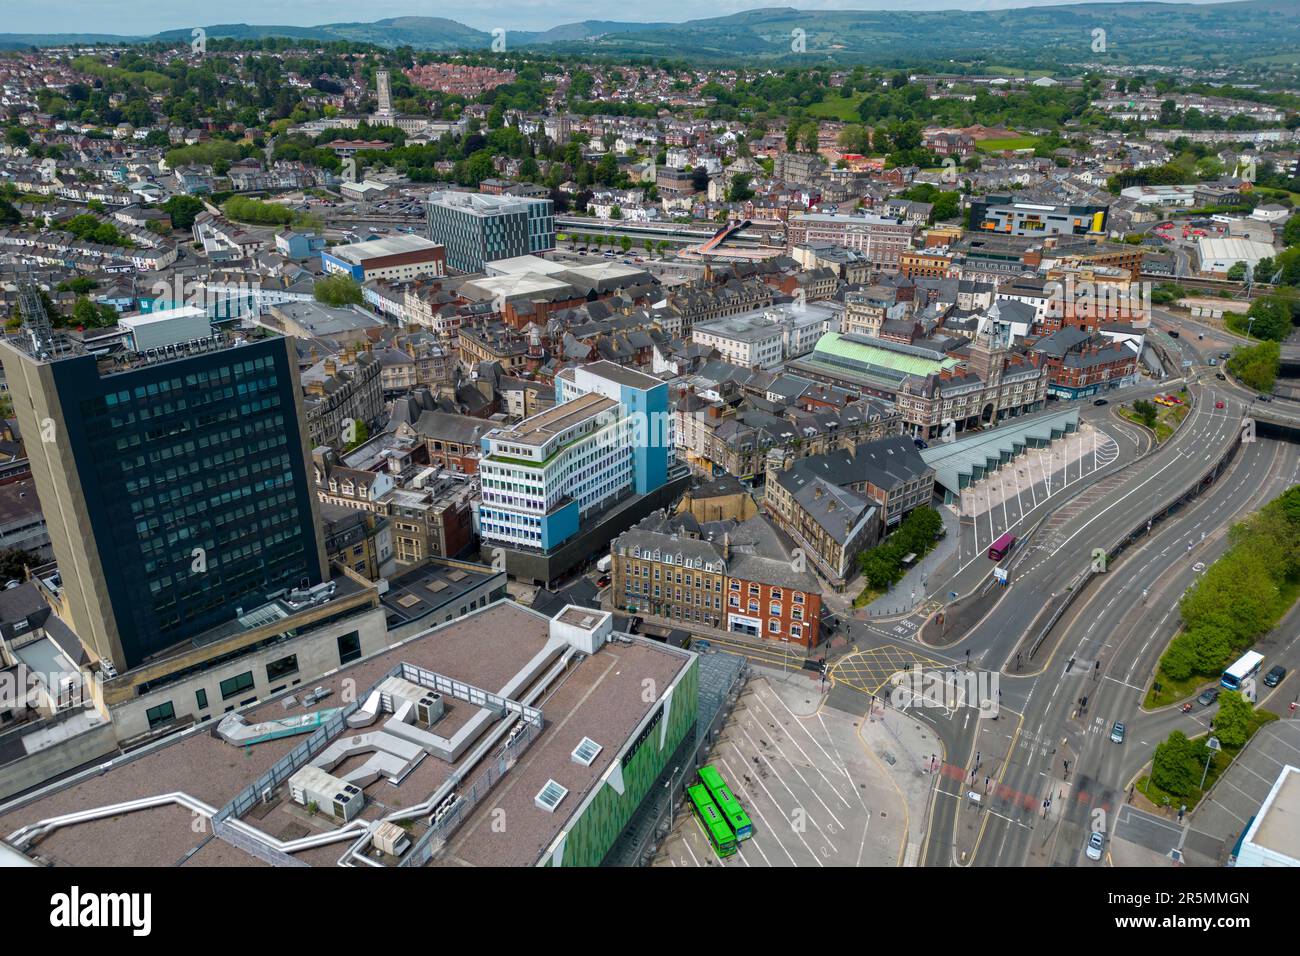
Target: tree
<point>1179,660</point>
<point>1233,721</point>
<point>84,313</point>
<point>624,243</point>
<point>855,138</point>
<point>1238,272</point>
<point>360,434</point>
<point>183,210</point>
<point>1177,764</point>
<point>1271,315</point>
<point>1291,231</point>
<point>1146,411</point>
<point>739,191</point>
<point>338,290</point>
<point>810,141</point>
<point>607,170</point>
<point>14,562</point>
<point>1256,366</point>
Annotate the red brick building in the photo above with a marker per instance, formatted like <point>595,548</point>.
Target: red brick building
<point>1080,363</point>
<point>744,582</point>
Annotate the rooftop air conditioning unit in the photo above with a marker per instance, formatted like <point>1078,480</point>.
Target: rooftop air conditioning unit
<point>429,708</point>
<point>391,839</point>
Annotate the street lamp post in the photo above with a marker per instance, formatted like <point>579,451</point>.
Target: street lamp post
<point>1212,745</point>
<point>671,780</point>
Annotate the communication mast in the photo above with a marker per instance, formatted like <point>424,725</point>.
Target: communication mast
<point>36,321</point>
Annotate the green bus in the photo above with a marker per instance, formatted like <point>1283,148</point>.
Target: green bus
<point>731,809</point>
<point>715,827</point>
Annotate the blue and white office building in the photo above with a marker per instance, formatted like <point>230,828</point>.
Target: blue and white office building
<point>608,438</point>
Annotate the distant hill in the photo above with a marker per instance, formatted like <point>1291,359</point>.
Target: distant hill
<point>423,33</point>
<point>23,41</point>
<point>1168,33</point>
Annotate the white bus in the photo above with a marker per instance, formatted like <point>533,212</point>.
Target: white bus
<point>1247,666</point>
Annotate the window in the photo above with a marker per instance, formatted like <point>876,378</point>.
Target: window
<point>549,797</point>
<point>774,627</point>
<point>160,714</point>
<point>586,751</point>
<point>282,668</point>
<point>233,686</point>
<point>201,696</point>
<point>349,647</point>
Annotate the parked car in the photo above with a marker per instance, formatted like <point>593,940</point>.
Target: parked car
<point>1220,376</point>
<point>1274,676</point>
<point>1214,361</point>
<point>1117,732</point>
<point>1266,398</point>
<point>1208,697</point>
<point>1218,404</point>
<point>1096,843</point>
<point>1101,401</point>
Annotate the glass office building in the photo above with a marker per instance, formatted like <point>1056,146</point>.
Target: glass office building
<point>174,484</point>
<point>476,228</point>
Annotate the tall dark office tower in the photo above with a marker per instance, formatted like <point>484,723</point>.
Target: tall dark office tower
<point>172,477</point>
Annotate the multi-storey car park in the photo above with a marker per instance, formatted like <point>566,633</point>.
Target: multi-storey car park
<point>504,738</point>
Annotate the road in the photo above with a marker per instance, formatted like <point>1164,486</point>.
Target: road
<point>1115,635</point>
<point>1106,644</point>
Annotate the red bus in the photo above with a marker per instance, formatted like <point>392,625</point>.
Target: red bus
<point>1002,546</point>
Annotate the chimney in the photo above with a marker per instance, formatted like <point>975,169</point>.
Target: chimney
<point>331,367</point>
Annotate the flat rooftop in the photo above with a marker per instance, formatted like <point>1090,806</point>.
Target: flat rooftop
<point>358,252</point>
<point>613,372</point>
<point>599,696</point>
<point>1278,825</point>
<point>425,589</point>
<point>544,426</point>
<point>600,699</point>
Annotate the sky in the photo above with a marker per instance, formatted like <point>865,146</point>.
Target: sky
<point>146,17</point>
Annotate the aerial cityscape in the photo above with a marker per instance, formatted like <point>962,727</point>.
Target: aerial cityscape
<point>796,438</point>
